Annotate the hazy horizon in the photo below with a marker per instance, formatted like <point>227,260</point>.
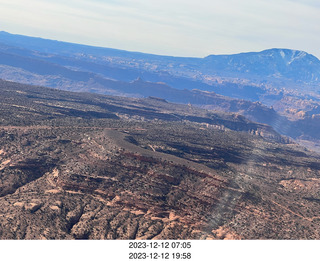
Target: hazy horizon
<point>97,46</point>
<point>175,27</point>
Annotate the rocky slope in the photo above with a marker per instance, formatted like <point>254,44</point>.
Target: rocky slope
<point>86,166</point>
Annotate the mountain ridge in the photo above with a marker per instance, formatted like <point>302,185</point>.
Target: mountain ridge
<point>274,62</point>
<point>23,37</point>
<point>275,68</point>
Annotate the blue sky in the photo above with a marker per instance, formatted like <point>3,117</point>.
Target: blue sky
<point>171,27</point>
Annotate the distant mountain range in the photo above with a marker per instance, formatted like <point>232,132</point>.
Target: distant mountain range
<point>274,65</point>
<point>279,87</point>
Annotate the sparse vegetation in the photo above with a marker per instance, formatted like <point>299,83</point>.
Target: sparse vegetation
<point>85,166</point>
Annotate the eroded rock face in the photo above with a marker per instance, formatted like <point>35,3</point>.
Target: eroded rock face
<point>101,186</point>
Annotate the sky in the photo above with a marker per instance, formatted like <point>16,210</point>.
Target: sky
<point>170,27</point>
